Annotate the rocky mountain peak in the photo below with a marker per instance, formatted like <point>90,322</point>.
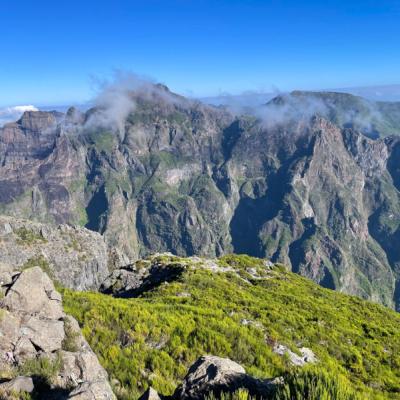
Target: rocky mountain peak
<point>39,121</point>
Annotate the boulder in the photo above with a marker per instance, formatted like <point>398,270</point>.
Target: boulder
<point>33,292</point>
<point>46,335</point>
<point>211,374</point>
<point>24,349</point>
<point>99,390</point>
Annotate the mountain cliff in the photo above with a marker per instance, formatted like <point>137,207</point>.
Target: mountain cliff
<point>309,180</point>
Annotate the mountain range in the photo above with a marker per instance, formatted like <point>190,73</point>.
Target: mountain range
<point>309,179</point>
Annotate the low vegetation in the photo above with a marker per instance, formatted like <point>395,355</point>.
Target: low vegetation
<point>309,384</point>
<point>70,342</point>
<point>28,237</point>
<point>43,368</point>
<point>242,314</point>
<point>39,261</point>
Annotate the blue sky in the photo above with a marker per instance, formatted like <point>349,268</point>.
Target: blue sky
<point>50,50</point>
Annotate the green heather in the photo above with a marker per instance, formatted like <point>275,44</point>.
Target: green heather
<point>241,313</point>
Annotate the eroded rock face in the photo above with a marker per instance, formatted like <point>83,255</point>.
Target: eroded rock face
<point>75,257</point>
<point>33,327</point>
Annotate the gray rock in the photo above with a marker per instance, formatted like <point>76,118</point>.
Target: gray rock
<point>47,335</point>
<point>18,384</point>
<point>92,391</point>
<point>150,394</point>
<point>76,257</point>
<point>33,292</point>
<point>24,349</point>
<point>307,355</point>
<point>33,325</point>
<point>143,275</point>
<point>211,374</point>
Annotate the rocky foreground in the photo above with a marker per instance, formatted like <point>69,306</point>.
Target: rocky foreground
<point>42,349</point>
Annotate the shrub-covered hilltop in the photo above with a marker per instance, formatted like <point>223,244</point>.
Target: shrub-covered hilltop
<point>250,311</point>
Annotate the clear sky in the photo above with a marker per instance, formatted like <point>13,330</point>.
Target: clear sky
<point>51,49</point>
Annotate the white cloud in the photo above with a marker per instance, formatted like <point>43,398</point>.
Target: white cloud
<point>10,114</point>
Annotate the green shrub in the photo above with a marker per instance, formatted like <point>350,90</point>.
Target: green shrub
<point>27,236</point>
<point>241,394</point>
<point>315,385</point>
<point>70,342</point>
<point>39,261</point>
<point>43,368</point>
<point>7,395</point>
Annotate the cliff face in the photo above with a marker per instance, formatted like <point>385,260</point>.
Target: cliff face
<point>75,257</point>
<point>310,190</point>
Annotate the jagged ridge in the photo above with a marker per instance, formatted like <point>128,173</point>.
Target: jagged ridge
<point>314,194</point>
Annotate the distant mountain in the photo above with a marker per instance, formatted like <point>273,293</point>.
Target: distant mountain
<point>387,93</point>
<point>239,102</point>
<point>376,93</point>
<point>307,179</point>
<point>10,114</point>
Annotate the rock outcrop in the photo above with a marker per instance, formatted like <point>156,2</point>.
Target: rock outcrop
<point>211,375</point>
<point>152,271</point>
<point>43,345</point>
<point>306,356</point>
<point>143,275</point>
<point>76,257</point>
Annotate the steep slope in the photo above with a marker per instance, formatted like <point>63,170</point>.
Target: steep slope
<point>267,319</point>
<point>301,183</point>
<point>324,198</point>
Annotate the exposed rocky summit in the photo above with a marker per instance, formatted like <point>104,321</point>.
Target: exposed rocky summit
<point>313,189</point>
<point>145,274</point>
<point>42,350</point>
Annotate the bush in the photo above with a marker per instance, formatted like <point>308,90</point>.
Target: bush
<point>315,385</point>
<point>70,340</point>
<point>27,236</point>
<point>42,368</point>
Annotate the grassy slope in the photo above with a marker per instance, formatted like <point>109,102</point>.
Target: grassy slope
<point>153,339</point>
